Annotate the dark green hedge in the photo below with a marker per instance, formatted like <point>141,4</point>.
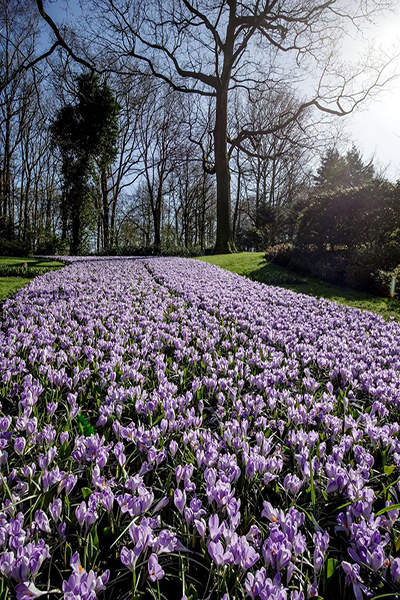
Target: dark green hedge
<point>347,237</point>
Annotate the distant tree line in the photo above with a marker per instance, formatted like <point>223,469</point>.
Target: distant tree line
<point>113,140</point>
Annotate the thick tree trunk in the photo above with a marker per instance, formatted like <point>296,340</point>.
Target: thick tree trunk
<point>157,231</point>
<point>224,243</point>
<point>237,203</point>
<point>76,235</point>
<point>156,210</point>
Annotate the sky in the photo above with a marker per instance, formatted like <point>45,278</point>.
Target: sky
<point>375,129</point>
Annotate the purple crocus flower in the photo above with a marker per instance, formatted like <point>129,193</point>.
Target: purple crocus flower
<point>129,558</point>
<point>42,521</point>
<point>7,560</point>
<point>273,514</point>
<point>119,454</point>
<point>84,586</point>
<point>248,556</point>
<point>295,595</point>
<point>86,516</point>
<point>161,504</point>
<point>155,571</point>
<point>142,534</point>
<point>353,578</point>
<point>51,408</point>
<point>28,591</point>
<point>253,585</point>
<point>64,436</point>
<point>55,509</point>
<point>214,527</point>
<point>19,445</point>
<point>218,554</point>
<point>179,499</point>
<point>61,528</point>
<point>395,568</point>
<point>292,484</point>
<point>321,543</point>
<point>201,527</point>
<point>173,448</point>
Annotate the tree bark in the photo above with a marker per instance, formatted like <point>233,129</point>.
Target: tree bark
<point>224,243</point>
<point>76,234</point>
<point>157,230</point>
<point>237,203</point>
<point>106,215</point>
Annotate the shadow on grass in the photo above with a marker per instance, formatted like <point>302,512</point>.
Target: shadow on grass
<point>17,261</point>
<point>255,267</point>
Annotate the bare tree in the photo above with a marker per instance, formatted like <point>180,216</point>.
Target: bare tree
<point>210,48</point>
<point>131,94</point>
<point>270,168</point>
<point>17,39</point>
<point>28,195</point>
<point>159,139</point>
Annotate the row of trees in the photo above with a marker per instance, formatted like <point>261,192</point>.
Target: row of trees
<point>29,186</point>
<point>174,125</point>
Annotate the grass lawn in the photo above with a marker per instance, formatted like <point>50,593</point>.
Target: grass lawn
<point>9,285</point>
<point>17,261</point>
<point>254,266</point>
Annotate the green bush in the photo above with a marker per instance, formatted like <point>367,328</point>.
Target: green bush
<point>13,248</point>
<point>350,218</point>
<point>347,237</point>
<point>52,244</point>
<point>280,253</point>
<point>389,282</point>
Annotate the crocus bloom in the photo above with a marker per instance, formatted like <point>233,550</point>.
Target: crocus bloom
<point>179,499</point>
<point>19,445</point>
<point>55,509</point>
<point>28,591</point>
<point>129,558</point>
<point>155,571</point>
<point>42,521</point>
<point>353,578</point>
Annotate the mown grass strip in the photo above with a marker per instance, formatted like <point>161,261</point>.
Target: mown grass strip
<point>254,266</point>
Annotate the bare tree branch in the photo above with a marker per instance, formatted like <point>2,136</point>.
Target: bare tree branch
<point>60,39</point>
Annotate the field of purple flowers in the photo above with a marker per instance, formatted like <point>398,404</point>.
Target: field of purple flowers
<point>172,430</point>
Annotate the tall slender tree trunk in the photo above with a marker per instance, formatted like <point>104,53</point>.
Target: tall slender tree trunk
<point>224,243</point>
<point>6,151</point>
<point>237,203</point>
<point>257,223</point>
<point>98,240</point>
<point>76,234</point>
<point>6,187</point>
<point>202,220</point>
<point>156,210</point>
<point>49,203</point>
<point>113,217</point>
<point>106,212</point>
<point>26,210</point>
